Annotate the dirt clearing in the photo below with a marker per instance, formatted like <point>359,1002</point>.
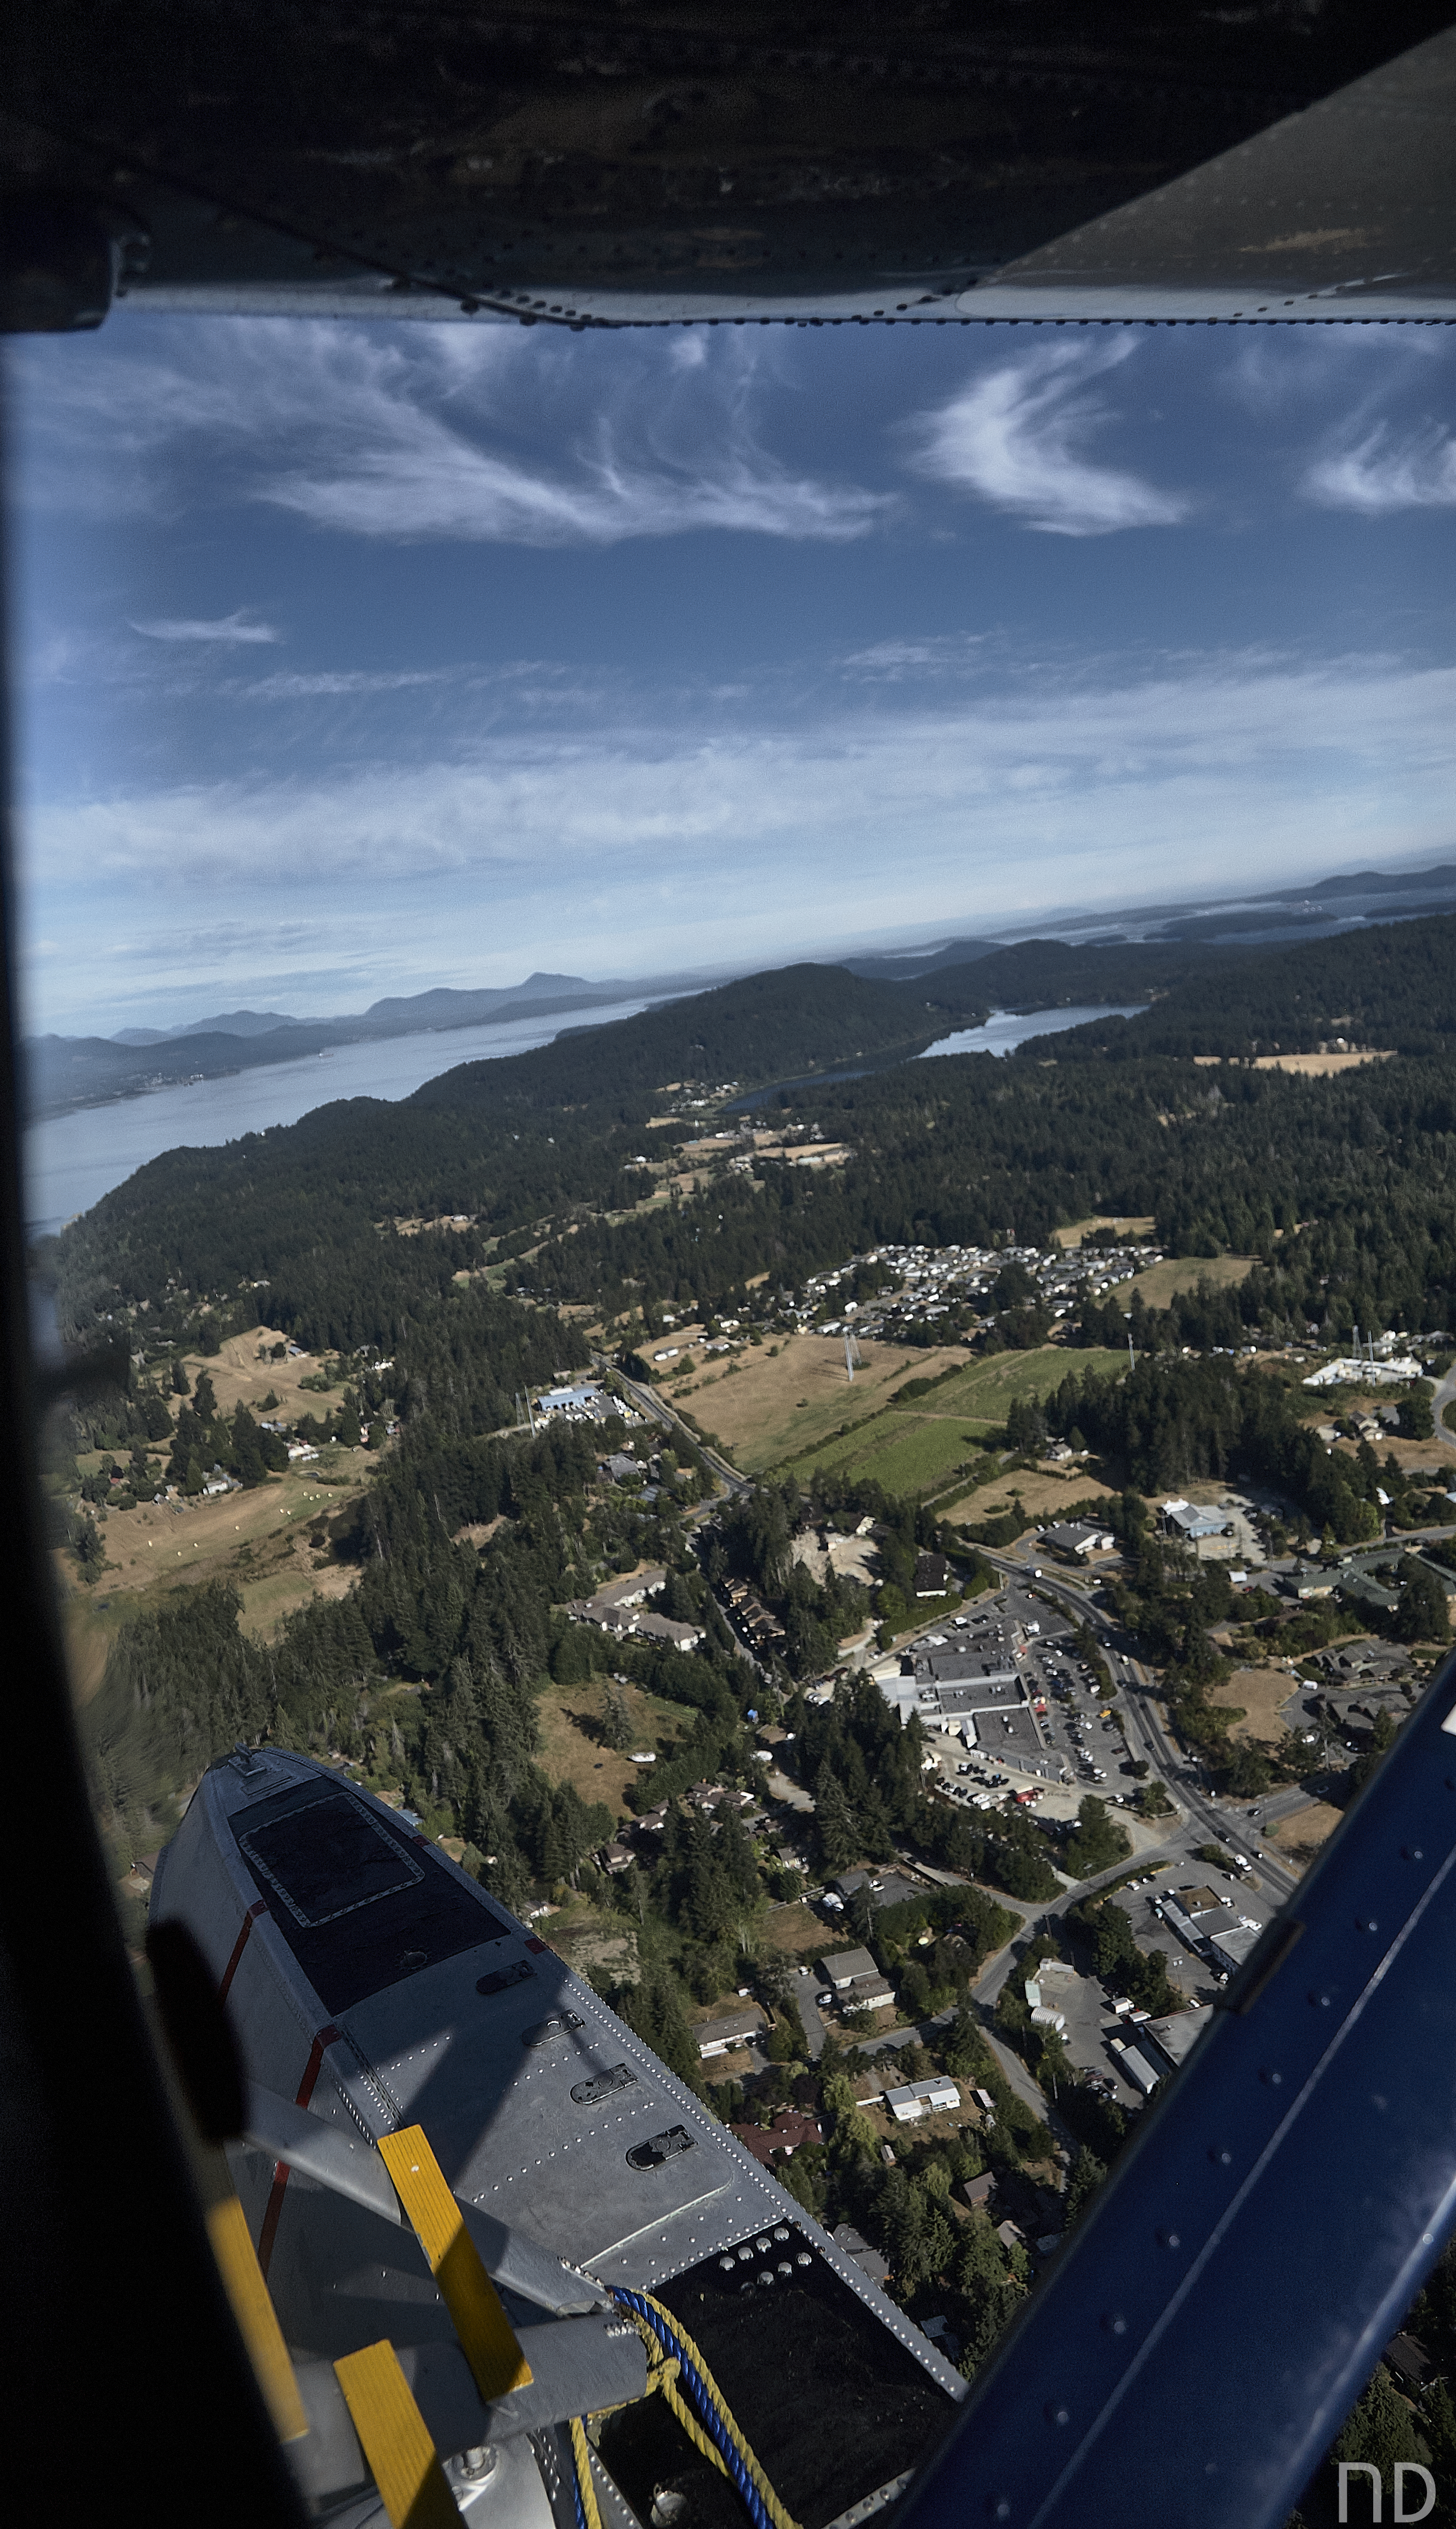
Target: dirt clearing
<point>1261,1694</point>
<point>1299,1838</point>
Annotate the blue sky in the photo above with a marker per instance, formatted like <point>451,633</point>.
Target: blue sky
<point>359,657</point>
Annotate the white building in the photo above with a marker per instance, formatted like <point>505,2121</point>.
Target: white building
<point>1347,1373</point>
<point>916,2099</point>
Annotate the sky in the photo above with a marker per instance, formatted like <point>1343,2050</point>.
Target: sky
<point>356,658</point>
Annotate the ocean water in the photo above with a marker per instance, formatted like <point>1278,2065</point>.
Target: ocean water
<point>72,1161</point>
<point>1004,1030</point>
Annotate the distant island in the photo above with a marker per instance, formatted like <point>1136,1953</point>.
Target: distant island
<point>66,1072</point>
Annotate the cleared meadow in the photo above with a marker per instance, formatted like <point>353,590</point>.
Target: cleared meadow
<point>919,1447</point>
<point>772,1403</point>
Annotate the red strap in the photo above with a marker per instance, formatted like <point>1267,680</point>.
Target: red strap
<point>326,2037</point>
<point>238,1946</point>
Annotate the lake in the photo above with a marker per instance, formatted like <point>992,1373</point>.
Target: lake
<point>72,1161</point>
<point>1004,1030</point>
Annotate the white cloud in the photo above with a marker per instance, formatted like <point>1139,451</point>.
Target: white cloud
<point>892,661</point>
<point>1041,789</point>
<point>304,686</point>
<point>1016,438</point>
<point>426,433</point>
<point>1382,471</point>
<point>237,628</point>
<point>700,846</point>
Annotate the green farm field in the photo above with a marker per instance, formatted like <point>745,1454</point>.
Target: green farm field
<point>917,1448</point>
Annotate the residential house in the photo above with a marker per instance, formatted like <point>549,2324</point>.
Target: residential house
<point>735,2028</point>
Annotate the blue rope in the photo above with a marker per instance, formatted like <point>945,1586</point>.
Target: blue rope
<point>577,2495</point>
<point>708,2412</point>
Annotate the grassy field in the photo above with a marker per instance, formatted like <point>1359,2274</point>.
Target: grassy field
<point>573,1747</point>
<point>772,1403</point>
<point>1177,1273</point>
<point>258,1540</point>
<point>915,1449</point>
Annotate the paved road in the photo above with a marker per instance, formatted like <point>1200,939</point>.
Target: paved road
<point>1445,1394</point>
<point>659,1411</point>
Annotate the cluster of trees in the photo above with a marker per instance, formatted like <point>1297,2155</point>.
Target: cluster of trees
<point>1168,1421</point>
<point>427,1672</point>
<point>1389,987</point>
<point>864,1770</point>
<point>753,1538</point>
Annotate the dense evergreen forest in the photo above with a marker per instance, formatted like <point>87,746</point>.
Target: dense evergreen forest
<point>962,1149</point>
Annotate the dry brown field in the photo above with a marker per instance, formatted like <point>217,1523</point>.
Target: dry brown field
<point>239,1377</point>
<point>1261,1694</point>
<point>755,1410</point>
<point>161,1547</point>
<point>1161,1282</point>
<point>1125,1225</point>
<point>1321,1066</point>
<point>574,1749</point>
<point>1045,1494</point>
<point>1299,1838</point>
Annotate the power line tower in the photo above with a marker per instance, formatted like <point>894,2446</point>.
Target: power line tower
<point>852,1357</point>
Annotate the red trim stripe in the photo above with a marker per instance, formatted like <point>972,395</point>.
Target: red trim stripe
<point>238,1946</point>
<point>274,2210</point>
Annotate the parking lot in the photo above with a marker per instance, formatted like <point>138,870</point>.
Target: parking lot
<point>1071,1693</point>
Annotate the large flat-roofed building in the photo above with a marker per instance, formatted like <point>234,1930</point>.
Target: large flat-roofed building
<point>1079,1539</point>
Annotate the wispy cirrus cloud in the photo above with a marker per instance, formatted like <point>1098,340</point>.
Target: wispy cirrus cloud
<point>1018,439</point>
<point>1383,470</point>
<point>445,434</point>
<point>238,629</point>
<point>326,683</point>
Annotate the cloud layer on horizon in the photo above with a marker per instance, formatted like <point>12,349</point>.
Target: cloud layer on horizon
<point>1091,793</point>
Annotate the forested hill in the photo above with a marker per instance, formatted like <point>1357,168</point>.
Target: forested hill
<point>1393,987</point>
<point>508,1142</point>
<point>549,1139</point>
<point>797,1019</point>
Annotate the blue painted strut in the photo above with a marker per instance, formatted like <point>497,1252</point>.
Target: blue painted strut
<point>1209,2325</point>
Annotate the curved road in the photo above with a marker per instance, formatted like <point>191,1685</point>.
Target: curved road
<point>1445,1394</point>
